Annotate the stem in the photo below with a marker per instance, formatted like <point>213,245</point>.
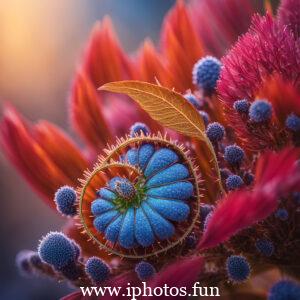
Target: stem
<point>215,163</point>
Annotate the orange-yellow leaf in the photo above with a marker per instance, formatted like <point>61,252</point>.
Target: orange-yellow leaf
<point>163,105</point>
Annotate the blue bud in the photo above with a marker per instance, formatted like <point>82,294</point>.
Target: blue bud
<point>296,197</point>
<point>241,106</point>
<point>215,132</point>
<point>193,100</point>
<point>138,129</point>
<point>282,214</point>
<point>234,155</point>
<point>292,122</point>
<point>224,173</point>
<point>205,209</point>
<point>265,247</point>
<point>284,290</point>
<point>56,249</point>
<point>206,73</point>
<point>260,111</point>
<point>65,199</point>
<point>248,178</point>
<point>234,182</point>
<point>144,270</point>
<point>207,220</point>
<point>204,116</point>
<point>125,188</point>
<point>23,262</point>
<point>97,270</point>
<point>238,268</point>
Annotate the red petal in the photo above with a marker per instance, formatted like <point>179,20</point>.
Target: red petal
<point>151,65</point>
<point>86,115</point>
<point>182,273</point>
<point>180,46</point>
<point>104,60</point>
<point>289,14</point>
<point>220,22</point>
<point>39,153</point>
<point>276,174</point>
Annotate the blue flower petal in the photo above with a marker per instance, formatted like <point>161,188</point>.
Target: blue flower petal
<point>126,236</point>
<point>173,173</point>
<point>102,221</point>
<point>159,160</point>
<point>107,194</point>
<point>99,206</point>
<point>143,231</point>
<point>132,156</point>
<point>145,153</point>
<point>113,181</point>
<point>163,229</point>
<point>181,190</point>
<point>112,230</point>
<point>174,210</point>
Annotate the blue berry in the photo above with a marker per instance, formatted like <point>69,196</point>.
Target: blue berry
<point>265,247</point>
<point>292,122</point>
<point>204,116</point>
<point>260,111</point>
<point>144,270</point>
<point>206,73</point>
<point>65,199</point>
<point>234,182</point>
<point>205,209</point>
<point>248,178</point>
<point>138,129</point>
<point>284,290</point>
<point>191,241</point>
<point>241,106</point>
<point>215,132</point>
<point>224,173</point>
<point>296,197</point>
<point>193,100</point>
<point>97,269</point>
<point>56,249</point>
<point>234,155</point>
<point>207,220</point>
<point>23,262</point>
<point>238,268</point>
<point>282,214</point>
<point>125,188</point>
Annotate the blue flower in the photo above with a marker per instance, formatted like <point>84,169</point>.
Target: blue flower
<point>234,182</point>
<point>238,268</point>
<point>283,290</point>
<point>215,132</point>
<point>206,73</point>
<point>193,100</point>
<point>138,128</point>
<point>241,106</point>
<point>265,247</point>
<point>292,122</point>
<point>234,155</point>
<point>65,199</point>
<point>144,270</point>
<point>57,250</point>
<point>204,116</point>
<point>282,214</point>
<point>97,270</point>
<point>140,213</point>
<point>260,111</point>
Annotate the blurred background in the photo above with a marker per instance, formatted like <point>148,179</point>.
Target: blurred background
<point>40,45</point>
